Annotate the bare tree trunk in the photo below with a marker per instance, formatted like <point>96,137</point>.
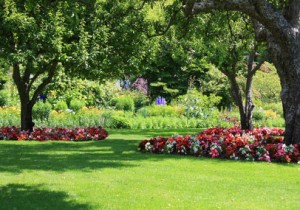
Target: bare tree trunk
<point>287,62</point>
<point>238,100</point>
<point>26,116</point>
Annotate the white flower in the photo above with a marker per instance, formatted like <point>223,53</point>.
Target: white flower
<point>148,146</point>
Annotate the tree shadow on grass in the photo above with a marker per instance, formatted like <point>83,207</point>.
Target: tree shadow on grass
<point>64,156</point>
<point>115,152</point>
<point>19,196</point>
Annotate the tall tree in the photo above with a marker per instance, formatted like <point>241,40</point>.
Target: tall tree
<point>173,68</point>
<point>230,46</point>
<point>94,39</point>
<point>278,24</point>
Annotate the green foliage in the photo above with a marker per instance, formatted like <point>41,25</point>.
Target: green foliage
<point>92,93</point>
<point>215,82</point>
<point>91,39</point>
<point>61,106</point>
<point>76,105</point>
<point>276,107</point>
<point>160,110</point>
<point>3,73</point>
<point>86,117</point>
<point>259,114</point>
<point>116,119</point>
<point>41,111</point>
<point>9,116</point>
<point>4,97</point>
<point>266,92</point>
<point>139,98</point>
<point>173,66</point>
<point>198,105</point>
<point>124,103</point>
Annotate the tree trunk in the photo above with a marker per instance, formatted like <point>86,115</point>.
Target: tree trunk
<point>24,85</point>
<point>245,117</point>
<point>26,115</point>
<point>287,62</point>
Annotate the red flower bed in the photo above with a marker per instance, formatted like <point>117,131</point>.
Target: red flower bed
<point>262,144</point>
<point>59,134</point>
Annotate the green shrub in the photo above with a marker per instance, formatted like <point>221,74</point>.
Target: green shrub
<point>89,117</point>
<point>61,106</point>
<point>3,97</point>
<point>86,117</point>
<point>276,107</point>
<point>266,92</point>
<point>76,105</point>
<point>124,103</point>
<point>117,119</point>
<point>258,114</point>
<point>9,116</point>
<point>139,98</point>
<point>41,111</point>
<point>198,105</point>
<point>118,122</point>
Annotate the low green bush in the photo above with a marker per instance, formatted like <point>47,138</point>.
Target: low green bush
<point>124,103</point>
<point>276,107</point>
<point>139,98</point>
<point>76,105</point>
<point>10,116</point>
<point>4,96</point>
<point>258,114</point>
<point>196,104</point>
<point>116,119</point>
<point>41,111</point>
<point>61,106</point>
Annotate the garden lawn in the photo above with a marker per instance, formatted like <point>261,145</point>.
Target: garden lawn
<point>112,174</point>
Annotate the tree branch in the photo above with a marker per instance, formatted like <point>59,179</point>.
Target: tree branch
<point>45,82</point>
<point>292,13</point>
<point>17,76</point>
<point>170,23</point>
<point>33,79</point>
<point>259,10</point>
<point>261,33</point>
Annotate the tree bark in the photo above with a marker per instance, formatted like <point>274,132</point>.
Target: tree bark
<point>26,115</point>
<point>246,123</point>
<point>287,62</point>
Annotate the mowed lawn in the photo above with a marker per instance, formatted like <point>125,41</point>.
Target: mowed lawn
<point>112,174</point>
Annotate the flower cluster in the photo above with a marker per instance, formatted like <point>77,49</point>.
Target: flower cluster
<point>160,101</point>
<point>261,144</point>
<point>60,134</point>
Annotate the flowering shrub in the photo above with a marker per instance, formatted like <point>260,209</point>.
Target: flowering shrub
<point>261,144</point>
<point>60,134</point>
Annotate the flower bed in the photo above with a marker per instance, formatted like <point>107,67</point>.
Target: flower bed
<point>262,144</point>
<point>58,134</point>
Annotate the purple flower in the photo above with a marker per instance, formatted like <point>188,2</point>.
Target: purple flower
<point>160,101</point>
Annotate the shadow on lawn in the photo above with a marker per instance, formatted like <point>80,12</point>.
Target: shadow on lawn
<point>114,152</point>
<point>18,196</point>
<point>63,156</point>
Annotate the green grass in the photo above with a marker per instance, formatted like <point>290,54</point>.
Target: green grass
<point>112,174</point>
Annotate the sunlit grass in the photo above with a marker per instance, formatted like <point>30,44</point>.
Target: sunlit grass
<point>112,174</point>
